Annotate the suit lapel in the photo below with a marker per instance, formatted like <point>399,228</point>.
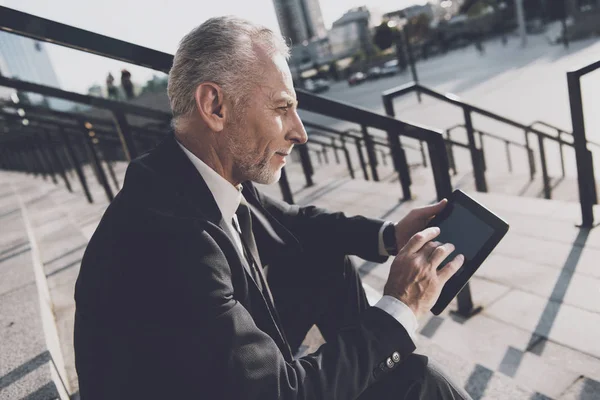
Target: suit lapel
<point>273,236</point>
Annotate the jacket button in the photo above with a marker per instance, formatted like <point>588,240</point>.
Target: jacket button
<point>382,367</point>
<point>390,364</point>
<point>396,357</point>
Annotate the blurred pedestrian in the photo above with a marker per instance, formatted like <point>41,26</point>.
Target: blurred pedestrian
<point>111,89</point>
<point>126,84</point>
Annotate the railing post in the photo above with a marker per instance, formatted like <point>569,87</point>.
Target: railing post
<point>423,156</point>
<point>306,164</point>
<point>38,158</point>
<point>90,141</point>
<point>47,159</point>
<point>69,167</point>
<point>584,172</point>
<point>347,156</point>
<point>76,164</point>
<point>530,157</point>
<point>450,152</point>
<point>397,152</point>
<point>61,168</point>
<point>383,157</point>
<point>508,159</point>
<point>482,148</point>
<point>319,158</point>
<point>400,164</point>
<point>284,185</point>
<point>361,158</point>
<point>335,150</point>
<point>562,155</point>
<point>325,155</point>
<point>33,158</point>
<point>111,171</point>
<point>476,159</point>
<point>370,146</point>
<point>124,132</point>
<point>27,161</point>
<point>593,189</point>
<point>545,177</point>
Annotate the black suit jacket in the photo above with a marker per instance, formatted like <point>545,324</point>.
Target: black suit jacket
<point>166,309</point>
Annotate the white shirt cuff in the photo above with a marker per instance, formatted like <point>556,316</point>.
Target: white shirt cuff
<point>382,251</point>
<point>401,313</point>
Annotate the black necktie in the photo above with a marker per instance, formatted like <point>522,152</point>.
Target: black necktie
<point>251,251</point>
<point>244,223</point>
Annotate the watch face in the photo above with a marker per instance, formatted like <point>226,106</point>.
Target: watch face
<point>389,239</point>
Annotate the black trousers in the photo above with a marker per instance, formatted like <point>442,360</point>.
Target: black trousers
<point>328,292</point>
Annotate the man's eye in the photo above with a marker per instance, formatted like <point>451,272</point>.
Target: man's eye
<point>284,108</point>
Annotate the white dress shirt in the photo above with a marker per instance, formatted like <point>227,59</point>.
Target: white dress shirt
<point>228,199</point>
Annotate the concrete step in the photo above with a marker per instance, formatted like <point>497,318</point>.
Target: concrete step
<point>30,358</point>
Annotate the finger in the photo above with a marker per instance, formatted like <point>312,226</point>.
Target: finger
<point>429,248</point>
<point>419,239</point>
<point>440,254</point>
<point>450,269</point>
<point>431,210</point>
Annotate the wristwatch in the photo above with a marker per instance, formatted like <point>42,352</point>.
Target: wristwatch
<point>389,239</point>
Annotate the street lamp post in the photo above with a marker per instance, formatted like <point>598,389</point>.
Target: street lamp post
<point>402,40</point>
<point>521,21</point>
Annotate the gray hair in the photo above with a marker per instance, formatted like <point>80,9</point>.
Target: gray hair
<point>221,50</point>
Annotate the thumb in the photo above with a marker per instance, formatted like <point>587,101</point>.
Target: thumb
<point>433,209</point>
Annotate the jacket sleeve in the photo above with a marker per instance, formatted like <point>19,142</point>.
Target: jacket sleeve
<point>320,230</point>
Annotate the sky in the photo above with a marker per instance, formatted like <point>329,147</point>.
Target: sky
<point>157,24</point>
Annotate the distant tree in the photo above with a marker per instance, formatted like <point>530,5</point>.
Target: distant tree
<point>384,36</point>
<point>156,84</point>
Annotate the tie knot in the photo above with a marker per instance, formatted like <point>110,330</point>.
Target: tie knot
<point>243,208</point>
<point>243,216</point>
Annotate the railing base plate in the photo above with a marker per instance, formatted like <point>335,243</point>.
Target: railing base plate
<point>466,315</point>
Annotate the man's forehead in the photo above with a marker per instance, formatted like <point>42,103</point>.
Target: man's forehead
<point>282,95</point>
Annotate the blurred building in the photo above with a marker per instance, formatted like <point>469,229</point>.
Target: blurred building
<point>411,12</point>
<point>351,34</point>
<point>300,20</point>
<point>27,60</point>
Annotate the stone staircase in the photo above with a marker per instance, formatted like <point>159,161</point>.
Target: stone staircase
<point>535,339</point>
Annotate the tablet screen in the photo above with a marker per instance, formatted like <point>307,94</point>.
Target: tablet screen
<point>465,231</point>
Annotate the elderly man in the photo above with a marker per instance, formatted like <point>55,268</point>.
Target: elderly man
<point>197,286</point>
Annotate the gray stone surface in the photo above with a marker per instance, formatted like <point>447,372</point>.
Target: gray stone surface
<point>568,325</point>
<point>583,389</point>
<point>24,360</point>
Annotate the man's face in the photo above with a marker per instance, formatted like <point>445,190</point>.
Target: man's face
<point>265,133</point>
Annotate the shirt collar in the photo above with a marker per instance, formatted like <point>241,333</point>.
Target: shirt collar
<point>226,195</point>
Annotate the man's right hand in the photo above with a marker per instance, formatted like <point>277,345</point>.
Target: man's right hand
<point>414,278</point>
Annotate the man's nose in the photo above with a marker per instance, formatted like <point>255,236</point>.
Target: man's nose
<point>297,132</point>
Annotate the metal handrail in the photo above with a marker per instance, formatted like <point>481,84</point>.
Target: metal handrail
<point>477,157</point>
<point>586,180</point>
<point>455,100</point>
<point>493,136</point>
<point>596,144</point>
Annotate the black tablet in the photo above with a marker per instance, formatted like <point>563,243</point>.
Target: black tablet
<point>475,231</point>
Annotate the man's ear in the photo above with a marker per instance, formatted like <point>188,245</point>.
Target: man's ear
<point>211,105</point>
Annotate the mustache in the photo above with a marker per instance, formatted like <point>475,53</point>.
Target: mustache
<point>285,151</point>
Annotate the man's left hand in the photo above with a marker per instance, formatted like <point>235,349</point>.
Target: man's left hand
<point>415,221</point>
